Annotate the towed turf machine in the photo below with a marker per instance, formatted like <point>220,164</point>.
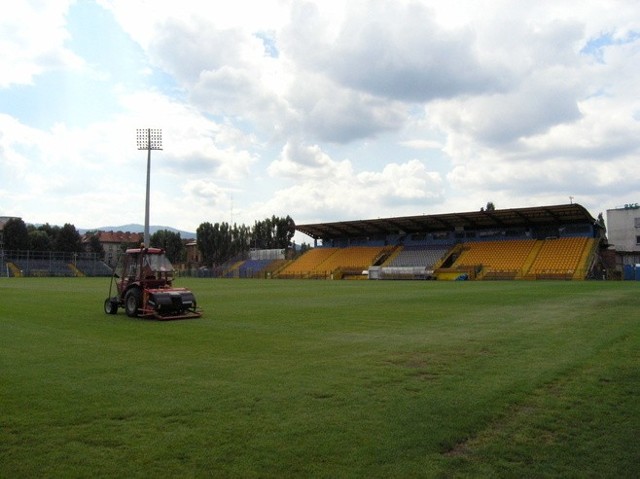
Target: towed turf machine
<point>143,279</point>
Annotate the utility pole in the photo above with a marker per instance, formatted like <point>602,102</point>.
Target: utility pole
<point>148,139</point>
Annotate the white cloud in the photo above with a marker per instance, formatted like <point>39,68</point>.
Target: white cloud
<point>303,161</point>
<point>32,41</point>
<point>410,58</point>
<point>334,188</point>
<point>501,119</point>
<point>418,144</point>
<point>323,110</point>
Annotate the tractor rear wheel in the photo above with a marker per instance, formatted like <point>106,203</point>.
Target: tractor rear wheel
<point>110,306</point>
<point>132,302</point>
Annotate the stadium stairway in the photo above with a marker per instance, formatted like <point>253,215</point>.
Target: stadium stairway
<point>232,271</point>
<point>447,270</point>
<point>76,271</point>
<point>531,258</point>
<point>15,271</point>
<point>587,259</point>
<point>271,270</point>
<point>392,254</point>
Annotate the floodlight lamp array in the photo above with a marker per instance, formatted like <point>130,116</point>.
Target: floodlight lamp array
<point>149,138</point>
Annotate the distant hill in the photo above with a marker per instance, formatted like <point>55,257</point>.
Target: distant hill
<point>136,228</point>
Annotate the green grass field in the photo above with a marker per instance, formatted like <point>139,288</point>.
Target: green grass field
<point>323,379</point>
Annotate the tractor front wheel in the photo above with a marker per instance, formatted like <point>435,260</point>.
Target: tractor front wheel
<point>110,306</point>
<point>132,302</point>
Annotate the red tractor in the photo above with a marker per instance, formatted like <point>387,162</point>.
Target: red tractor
<point>144,279</point>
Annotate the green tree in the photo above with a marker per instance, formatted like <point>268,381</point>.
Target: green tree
<point>51,231</point>
<point>171,242</point>
<point>94,245</point>
<point>68,240</point>
<point>285,230</point>
<point>274,232</point>
<point>260,235</point>
<point>241,239</point>
<point>205,240</point>
<point>39,240</point>
<point>16,236</point>
<point>221,242</point>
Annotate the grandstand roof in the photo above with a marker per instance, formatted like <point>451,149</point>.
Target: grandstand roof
<point>514,217</point>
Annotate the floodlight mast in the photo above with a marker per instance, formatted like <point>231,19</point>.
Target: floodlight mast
<point>148,139</point>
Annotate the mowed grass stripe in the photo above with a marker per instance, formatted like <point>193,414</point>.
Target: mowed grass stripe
<point>322,379</point>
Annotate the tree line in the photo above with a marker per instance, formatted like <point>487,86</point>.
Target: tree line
<point>66,239</point>
<point>221,242</point>
<point>20,236</point>
<point>218,242</point>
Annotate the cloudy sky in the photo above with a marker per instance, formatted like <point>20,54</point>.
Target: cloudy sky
<point>321,110</point>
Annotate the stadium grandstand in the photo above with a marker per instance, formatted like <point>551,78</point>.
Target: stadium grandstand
<point>547,242</point>
<point>28,263</point>
<point>51,263</point>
